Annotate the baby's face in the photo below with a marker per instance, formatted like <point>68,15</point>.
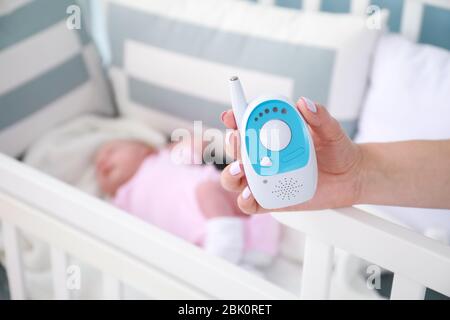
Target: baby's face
<point>117,161</point>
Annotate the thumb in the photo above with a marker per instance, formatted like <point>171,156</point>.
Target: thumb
<point>319,119</point>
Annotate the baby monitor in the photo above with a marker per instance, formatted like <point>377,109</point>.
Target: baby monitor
<point>277,150</point>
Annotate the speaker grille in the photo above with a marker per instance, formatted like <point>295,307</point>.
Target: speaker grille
<point>287,188</point>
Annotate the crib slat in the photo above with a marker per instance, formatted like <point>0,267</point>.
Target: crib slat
<point>359,7</point>
<point>317,266</point>
<point>112,288</point>
<point>59,273</point>
<point>406,289</point>
<point>267,2</point>
<point>412,19</point>
<point>311,5</point>
<point>14,265</point>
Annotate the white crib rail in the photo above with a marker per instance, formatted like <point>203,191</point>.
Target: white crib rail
<point>417,261</point>
<point>13,262</point>
<point>126,250</point>
<point>148,259</point>
<point>112,288</point>
<point>59,271</point>
<point>317,266</point>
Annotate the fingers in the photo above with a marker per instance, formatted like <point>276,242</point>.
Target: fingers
<point>247,202</point>
<point>233,178</point>
<point>232,139</point>
<point>319,119</point>
<point>228,119</point>
<point>232,144</point>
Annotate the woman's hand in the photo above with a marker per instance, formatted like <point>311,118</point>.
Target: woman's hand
<point>339,163</point>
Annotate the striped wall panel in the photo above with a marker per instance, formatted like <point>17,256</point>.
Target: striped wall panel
<point>297,4</point>
<point>395,8</point>
<point>338,6</point>
<point>185,42</point>
<point>435,27</point>
<point>426,21</point>
<point>49,73</point>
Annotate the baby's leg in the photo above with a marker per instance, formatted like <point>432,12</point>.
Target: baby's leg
<point>225,226</point>
<point>214,201</point>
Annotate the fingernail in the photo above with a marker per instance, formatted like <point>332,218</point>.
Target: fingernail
<point>235,168</point>
<point>228,136</point>
<point>310,105</point>
<point>246,193</point>
<point>223,115</point>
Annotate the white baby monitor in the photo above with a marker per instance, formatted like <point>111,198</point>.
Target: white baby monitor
<point>277,150</point>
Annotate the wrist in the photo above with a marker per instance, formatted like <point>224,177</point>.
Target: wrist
<point>361,172</point>
<point>371,174</point>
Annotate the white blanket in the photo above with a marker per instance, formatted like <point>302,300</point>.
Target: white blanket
<point>75,144</point>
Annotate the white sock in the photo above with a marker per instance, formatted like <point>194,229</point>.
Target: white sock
<point>225,238</point>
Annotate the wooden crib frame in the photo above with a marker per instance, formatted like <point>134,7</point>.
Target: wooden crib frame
<point>148,259</point>
<point>163,266</point>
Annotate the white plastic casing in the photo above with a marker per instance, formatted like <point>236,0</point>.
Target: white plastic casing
<point>302,180</point>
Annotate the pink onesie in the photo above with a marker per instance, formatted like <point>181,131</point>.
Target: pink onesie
<point>163,194</point>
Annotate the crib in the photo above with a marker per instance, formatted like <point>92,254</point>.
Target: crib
<point>162,266</point>
<point>68,220</point>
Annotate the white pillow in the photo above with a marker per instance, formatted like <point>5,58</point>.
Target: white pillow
<point>409,94</point>
<point>409,98</point>
<point>175,57</point>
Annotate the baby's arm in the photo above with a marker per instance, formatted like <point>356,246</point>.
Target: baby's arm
<point>196,149</point>
<point>186,152</point>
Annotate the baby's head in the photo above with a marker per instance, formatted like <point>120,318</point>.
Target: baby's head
<point>117,161</point>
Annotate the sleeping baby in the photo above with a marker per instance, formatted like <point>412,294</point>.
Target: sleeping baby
<point>185,200</point>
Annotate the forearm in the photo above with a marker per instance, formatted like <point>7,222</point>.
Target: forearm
<point>410,173</point>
